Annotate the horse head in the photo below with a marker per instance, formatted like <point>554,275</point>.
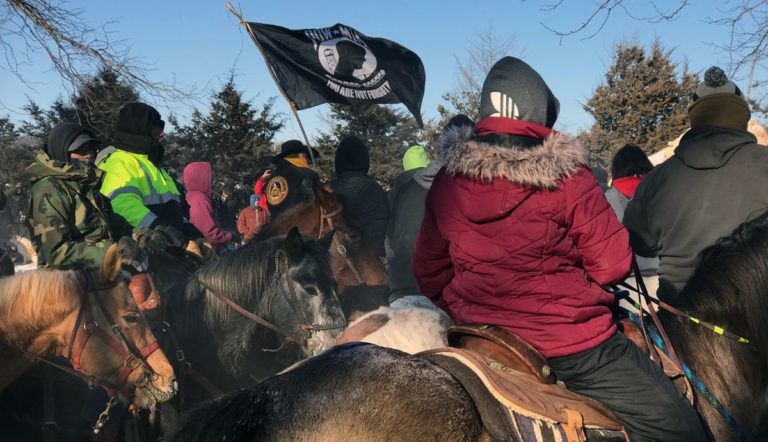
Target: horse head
<point>113,342</point>
<point>361,277</point>
<point>309,292</point>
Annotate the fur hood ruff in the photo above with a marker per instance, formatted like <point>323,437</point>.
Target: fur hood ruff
<point>541,166</point>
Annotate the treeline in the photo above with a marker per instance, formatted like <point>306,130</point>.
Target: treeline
<point>643,100</point>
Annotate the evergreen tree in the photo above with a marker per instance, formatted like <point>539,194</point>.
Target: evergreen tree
<point>96,105</point>
<point>98,102</point>
<point>387,132</point>
<point>643,101</point>
<point>233,136</point>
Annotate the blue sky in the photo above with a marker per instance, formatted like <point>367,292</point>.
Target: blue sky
<point>200,43</point>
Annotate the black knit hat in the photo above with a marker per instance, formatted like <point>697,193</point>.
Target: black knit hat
<point>715,82</point>
<point>293,147</point>
<point>351,156</point>
<point>514,90</point>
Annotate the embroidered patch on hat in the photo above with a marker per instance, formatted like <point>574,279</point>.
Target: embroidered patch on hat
<point>277,190</point>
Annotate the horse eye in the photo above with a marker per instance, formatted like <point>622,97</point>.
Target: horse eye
<point>311,291</point>
<point>131,319</point>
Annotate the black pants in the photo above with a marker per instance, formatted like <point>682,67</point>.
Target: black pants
<point>617,374</point>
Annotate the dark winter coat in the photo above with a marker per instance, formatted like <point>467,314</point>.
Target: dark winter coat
<point>197,180</point>
<point>288,186</point>
<point>367,201</point>
<point>522,238</point>
<point>407,201</point>
<point>714,182</point>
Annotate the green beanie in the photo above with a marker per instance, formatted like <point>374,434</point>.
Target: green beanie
<point>415,157</point>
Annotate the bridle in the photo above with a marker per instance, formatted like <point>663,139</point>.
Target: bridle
<point>327,218</point>
<point>304,340</point>
<point>132,357</point>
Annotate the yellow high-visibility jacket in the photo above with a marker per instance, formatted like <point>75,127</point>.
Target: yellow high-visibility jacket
<point>135,186</point>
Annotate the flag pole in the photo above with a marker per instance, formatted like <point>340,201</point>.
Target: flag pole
<point>274,77</point>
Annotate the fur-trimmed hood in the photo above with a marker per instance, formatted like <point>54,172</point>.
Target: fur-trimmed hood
<point>539,167</point>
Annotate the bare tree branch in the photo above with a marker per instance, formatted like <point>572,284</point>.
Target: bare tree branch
<point>75,49</point>
<point>602,12</point>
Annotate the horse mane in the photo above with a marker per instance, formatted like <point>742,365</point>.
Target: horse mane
<point>730,282</point>
<point>34,298</point>
<point>243,277</point>
<point>728,289</point>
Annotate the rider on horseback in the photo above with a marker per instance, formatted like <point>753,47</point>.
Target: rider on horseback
<point>71,224</point>
<point>517,233</point>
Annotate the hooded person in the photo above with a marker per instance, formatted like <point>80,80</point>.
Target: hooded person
<point>198,180</point>
<point>628,167</point>
<point>292,181</point>
<point>71,224</point>
<point>407,202</point>
<point>517,234</point>
<point>252,218</point>
<point>360,193</point>
<point>705,190</point>
<point>141,191</point>
<point>415,158</point>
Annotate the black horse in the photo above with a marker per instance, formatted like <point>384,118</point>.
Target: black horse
<point>364,392</point>
<point>285,281</point>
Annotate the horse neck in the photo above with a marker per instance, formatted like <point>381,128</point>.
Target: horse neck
<point>733,372</point>
<point>42,318</point>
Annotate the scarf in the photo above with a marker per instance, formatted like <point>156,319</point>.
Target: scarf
<point>298,162</point>
<point>627,185</point>
<point>509,126</point>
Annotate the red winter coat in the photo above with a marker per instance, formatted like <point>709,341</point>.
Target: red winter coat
<point>521,238</point>
<point>197,180</point>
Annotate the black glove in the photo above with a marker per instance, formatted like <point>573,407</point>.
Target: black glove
<point>167,236</point>
<point>131,254</point>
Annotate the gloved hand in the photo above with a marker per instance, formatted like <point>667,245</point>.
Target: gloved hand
<point>131,254</point>
<point>167,236</point>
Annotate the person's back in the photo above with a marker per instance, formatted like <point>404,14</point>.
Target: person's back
<point>198,181</point>
<point>705,190</point>
<point>360,193</point>
<point>628,167</point>
<point>407,198</point>
<point>292,181</point>
<point>518,234</point>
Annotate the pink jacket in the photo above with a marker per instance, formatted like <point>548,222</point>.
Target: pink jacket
<point>197,179</point>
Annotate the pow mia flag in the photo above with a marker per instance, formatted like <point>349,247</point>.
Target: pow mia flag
<point>340,65</point>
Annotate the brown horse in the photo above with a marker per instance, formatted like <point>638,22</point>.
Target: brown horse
<point>91,319</point>
<point>361,276</point>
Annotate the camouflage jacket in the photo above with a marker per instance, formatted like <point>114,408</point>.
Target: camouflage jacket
<point>72,225</point>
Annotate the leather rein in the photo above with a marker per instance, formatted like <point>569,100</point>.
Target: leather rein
<point>327,218</point>
<point>132,357</point>
<point>290,297</point>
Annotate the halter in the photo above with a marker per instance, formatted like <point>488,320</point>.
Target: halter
<point>327,217</point>
<point>132,357</point>
<point>306,328</point>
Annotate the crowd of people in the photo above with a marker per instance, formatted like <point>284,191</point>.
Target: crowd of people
<point>507,226</point>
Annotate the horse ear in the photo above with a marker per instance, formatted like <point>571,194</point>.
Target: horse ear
<point>325,241</point>
<point>293,244</point>
<point>110,266</point>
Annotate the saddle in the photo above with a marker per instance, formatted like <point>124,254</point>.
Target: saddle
<point>520,377</point>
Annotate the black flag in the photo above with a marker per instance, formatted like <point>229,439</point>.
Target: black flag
<point>340,65</point>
